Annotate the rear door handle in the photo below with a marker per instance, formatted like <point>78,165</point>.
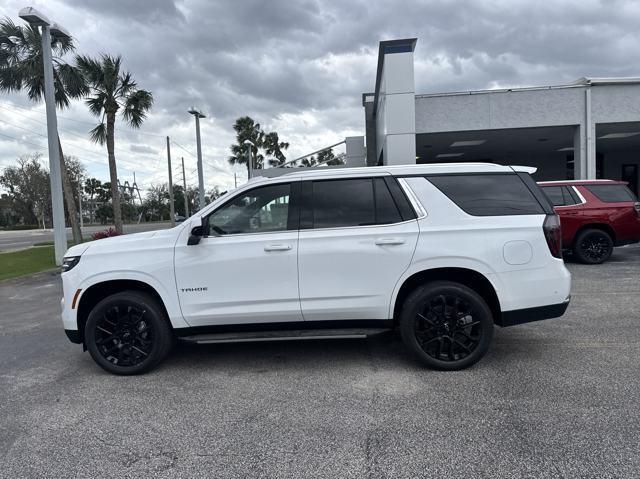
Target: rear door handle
<point>277,247</point>
<point>389,241</point>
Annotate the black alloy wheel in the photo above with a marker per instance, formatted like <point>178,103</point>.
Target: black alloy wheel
<point>123,336</point>
<point>446,325</point>
<point>593,246</point>
<point>127,333</point>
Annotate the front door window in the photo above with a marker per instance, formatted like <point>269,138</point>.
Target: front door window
<point>261,210</point>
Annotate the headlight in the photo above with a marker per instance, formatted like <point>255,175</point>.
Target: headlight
<point>69,263</point>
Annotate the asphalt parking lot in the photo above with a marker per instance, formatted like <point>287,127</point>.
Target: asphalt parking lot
<point>557,398</point>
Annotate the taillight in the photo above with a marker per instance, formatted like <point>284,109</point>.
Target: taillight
<point>636,206</point>
<point>553,234</point>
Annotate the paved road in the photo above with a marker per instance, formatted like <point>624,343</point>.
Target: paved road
<point>14,240</point>
<point>553,399</point>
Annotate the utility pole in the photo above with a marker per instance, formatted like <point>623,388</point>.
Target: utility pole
<point>80,205</point>
<point>172,208</point>
<point>235,179</point>
<point>198,115</point>
<point>184,185</point>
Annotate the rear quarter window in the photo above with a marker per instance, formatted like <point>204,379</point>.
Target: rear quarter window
<point>489,194</point>
<point>612,193</point>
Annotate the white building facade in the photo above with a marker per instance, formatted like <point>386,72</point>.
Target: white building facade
<point>584,130</point>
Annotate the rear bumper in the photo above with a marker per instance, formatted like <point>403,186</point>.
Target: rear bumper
<point>528,315</point>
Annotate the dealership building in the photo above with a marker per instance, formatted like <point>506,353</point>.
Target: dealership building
<point>586,129</point>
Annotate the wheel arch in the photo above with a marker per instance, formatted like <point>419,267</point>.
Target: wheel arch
<point>596,226</point>
<point>468,277</point>
<point>100,290</point>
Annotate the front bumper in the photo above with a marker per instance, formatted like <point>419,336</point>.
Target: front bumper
<point>73,335</point>
<point>528,315</point>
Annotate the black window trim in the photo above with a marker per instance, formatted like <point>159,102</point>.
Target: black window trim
<point>293,213</point>
<point>399,195</point>
<point>568,194</point>
<point>577,200</point>
<point>306,206</point>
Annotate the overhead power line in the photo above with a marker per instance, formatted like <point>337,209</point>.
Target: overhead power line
<point>66,147</point>
<point>20,140</point>
<point>91,123</point>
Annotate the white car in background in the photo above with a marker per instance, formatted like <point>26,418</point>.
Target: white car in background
<point>440,252</point>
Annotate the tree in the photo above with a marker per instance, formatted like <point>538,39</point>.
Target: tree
<point>21,68</point>
<point>29,188</point>
<point>264,143</point>
<point>325,157</point>
<point>91,187</point>
<point>111,91</point>
<point>76,174</point>
<point>213,194</point>
<point>156,202</point>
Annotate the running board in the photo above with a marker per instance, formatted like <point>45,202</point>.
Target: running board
<point>284,335</point>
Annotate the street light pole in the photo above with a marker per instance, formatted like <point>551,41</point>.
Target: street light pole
<point>249,144</point>
<point>172,208</point>
<point>198,114</point>
<point>184,186</point>
<point>32,16</point>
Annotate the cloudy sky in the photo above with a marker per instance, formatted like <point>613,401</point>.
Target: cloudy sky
<point>299,67</point>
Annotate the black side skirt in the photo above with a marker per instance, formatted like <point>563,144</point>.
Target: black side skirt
<point>284,326</point>
<point>528,315</point>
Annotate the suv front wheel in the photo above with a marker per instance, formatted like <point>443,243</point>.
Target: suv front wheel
<point>446,325</point>
<point>128,333</point>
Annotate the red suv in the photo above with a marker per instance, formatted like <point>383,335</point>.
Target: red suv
<point>595,215</point>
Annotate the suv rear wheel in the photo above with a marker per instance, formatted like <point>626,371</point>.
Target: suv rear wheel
<point>593,246</point>
<point>128,333</point>
<point>446,325</point>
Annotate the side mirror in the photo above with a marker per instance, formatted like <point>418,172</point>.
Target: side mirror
<point>195,236</point>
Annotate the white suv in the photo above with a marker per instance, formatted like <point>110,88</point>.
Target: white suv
<point>439,252</point>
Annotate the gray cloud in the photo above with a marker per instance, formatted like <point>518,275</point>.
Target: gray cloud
<point>300,66</point>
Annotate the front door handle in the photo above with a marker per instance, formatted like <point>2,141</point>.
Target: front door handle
<point>277,247</point>
<point>389,241</point>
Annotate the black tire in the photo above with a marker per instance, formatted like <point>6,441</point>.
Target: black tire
<point>128,333</point>
<point>593,246</point>
<point>446,325</point>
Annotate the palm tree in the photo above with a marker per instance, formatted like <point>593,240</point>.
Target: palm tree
<point>21,68</point>
<point>247,129</point>
<point>111,91</point>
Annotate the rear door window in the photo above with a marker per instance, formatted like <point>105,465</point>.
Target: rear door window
<point>489,194</point>
<point>340,203</point>
<point>612,193</point>
<point>351,202</point>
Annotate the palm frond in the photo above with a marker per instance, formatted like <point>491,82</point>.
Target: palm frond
<point>71,79</point>
<point>96,103</point>
<point>9,29</point>
<point>136,106</point>
<point>99,133</point>
<point>10,80</point>
<point>90,68</point>
<point>62,45</point>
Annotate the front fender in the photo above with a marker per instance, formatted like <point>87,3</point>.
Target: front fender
<point>168,296</point>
